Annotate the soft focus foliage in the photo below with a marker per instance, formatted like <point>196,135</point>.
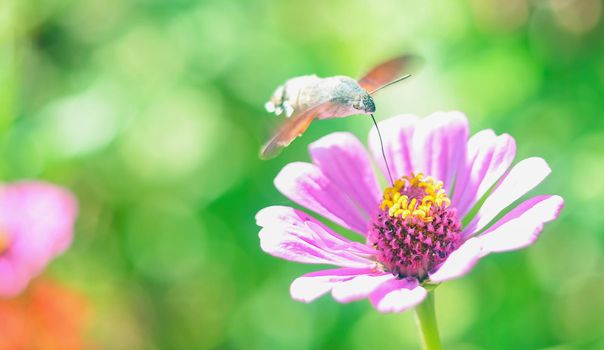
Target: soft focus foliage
<point>151,112</point>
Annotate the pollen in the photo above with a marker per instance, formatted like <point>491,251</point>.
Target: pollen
<point>414,195</point>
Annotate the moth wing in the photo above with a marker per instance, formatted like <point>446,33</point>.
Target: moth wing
<point>294,127</point>
<point>387,72</point>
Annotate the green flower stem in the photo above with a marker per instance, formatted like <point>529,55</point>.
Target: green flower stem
<point>426,323</point>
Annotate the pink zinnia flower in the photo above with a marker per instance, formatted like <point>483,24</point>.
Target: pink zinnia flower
<point>413,232</point>
<point>36,224</point>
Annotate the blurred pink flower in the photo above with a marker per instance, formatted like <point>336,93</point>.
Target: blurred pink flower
<point>36,224</point>
<point>413,230</point>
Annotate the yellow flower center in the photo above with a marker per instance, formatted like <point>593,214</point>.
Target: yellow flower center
<point>416,228</point>
<point>415,196</point>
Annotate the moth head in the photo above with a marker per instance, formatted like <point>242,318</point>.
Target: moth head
<point>364,103</point>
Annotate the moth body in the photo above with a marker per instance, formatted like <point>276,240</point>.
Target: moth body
<point>304,92</point>
<point>306,98</point>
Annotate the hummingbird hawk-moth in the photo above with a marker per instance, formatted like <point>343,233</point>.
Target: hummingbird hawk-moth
<point>306,98</point>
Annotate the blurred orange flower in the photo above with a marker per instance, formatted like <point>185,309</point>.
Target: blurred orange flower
<point>47,316</point>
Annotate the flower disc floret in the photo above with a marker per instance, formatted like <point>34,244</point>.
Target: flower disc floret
<point>415,229</point>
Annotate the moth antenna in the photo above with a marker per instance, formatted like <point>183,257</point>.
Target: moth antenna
<point>382,146</point>
<point>390,83</point>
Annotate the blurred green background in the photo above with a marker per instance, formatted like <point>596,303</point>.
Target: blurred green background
<point>151,111</point>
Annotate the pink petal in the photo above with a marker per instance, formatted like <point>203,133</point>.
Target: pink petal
<point>308,186</point>
<point>434,145</point>
<point>397,295</point>
<point>293,235</point>
<point>38,219</point>
<point>523,177</point>
<point>346,284</point>
<point>343,159</point>
<point>460,261</point>
<point>518,229</point>
<point>521,227</point>
<point>14,275</point>
<point>359,287</point>
<point>397,133</point>
<point>488,157</point>
<point>439,145</point>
